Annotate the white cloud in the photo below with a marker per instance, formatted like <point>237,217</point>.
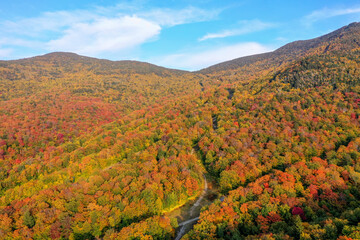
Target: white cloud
<point>329,13</point>
<point>202,59</point>
<point>105,35</point>
<point>245,28</point>
<point>101,31</point>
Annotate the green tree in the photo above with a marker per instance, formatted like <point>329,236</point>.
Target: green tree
<point>28,219</point>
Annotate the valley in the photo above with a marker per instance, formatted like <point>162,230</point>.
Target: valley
<point>260,147</point>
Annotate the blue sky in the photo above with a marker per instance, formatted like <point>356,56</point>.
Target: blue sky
<point>179,34</point>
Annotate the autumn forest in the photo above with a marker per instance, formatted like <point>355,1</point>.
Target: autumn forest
<point>98,149</point>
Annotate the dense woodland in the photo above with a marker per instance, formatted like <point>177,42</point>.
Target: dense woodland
<point>94,149</point>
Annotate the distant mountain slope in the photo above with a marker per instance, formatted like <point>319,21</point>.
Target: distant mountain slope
<point>343,39</point>
<point>80,74</point>
<point>73,94</point>
<point>70,60</point>
<point>323,69</point>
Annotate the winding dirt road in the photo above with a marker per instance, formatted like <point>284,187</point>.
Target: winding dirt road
<point>192,212</point>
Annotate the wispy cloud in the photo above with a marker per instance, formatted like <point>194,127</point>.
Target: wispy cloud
<point>46,22</point>
<point>5,52</point>
<point>198,60</point>
<point>171,17</point>
<point>102,30</point>
<point>329,13</point>
<point>245,27</point>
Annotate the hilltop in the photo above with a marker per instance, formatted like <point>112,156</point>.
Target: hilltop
<point>66,59</point>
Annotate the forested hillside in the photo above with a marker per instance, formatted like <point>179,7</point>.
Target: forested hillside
<point>95,149</point>
<point>69,121</point>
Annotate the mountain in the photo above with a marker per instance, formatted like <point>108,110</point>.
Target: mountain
<point>268,145</point>
<point>343,39</point>
<point>69,72</point>
<point>66,59</point>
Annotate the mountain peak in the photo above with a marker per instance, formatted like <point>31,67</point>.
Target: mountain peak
<point>63,55</point>
<point>341,33</point>
<point>354,24</point>
<point>342,39</point>
<point>69,60</point>
<point>56,54</point>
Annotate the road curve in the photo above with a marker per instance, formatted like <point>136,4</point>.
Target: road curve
<point>192,211</point>
<point>188,221</point>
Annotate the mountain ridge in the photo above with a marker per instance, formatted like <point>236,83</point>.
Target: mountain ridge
<point>296,47</point>
<point>66,57</point>
<point>287,51</point>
